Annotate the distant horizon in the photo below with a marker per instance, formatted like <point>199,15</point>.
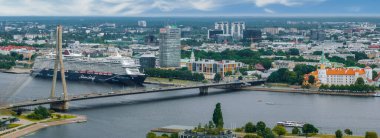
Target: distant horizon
<point>192,8</point>
<point>236,16</point>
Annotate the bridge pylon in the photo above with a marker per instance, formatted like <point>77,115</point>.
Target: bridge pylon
<point>203,90</point>
<point>62,105</point>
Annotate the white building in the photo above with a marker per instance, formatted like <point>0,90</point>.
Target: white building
<point>237,29</point>
<point>141,23</point>
<point>340,76</point>
<point>222,26</point>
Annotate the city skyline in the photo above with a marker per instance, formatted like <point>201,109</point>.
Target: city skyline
<point>189,8</point>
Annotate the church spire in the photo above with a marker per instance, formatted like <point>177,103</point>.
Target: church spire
<point>192,58</point>
<point>323,61</point>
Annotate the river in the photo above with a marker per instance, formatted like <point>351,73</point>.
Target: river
<point>133,116</point>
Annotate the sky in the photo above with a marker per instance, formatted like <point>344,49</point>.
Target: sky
<point>189,7</point>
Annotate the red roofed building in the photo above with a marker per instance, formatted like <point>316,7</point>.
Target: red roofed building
<point>374,47</point>
<point>11,48</point>
<point>259,67</point>
<point>341,76</point>
<point>338,76</point>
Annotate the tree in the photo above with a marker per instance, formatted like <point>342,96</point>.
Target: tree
<point>268,133</point>
<point>260,128</point>
<point>279,130</point>
<point>228,73</point>
<point>293,77</point>
<point>309,128</point>
<point>240,78</point>
<point>359,81</point>
<point>174,135</point>
<point>176,74</point>
<point>39,113</point>
<point>370,134</point>
<point>317,53</point>
<point>217,117</point>
<point>249,128</point>
<point>151,135</point>
<point>217,77</point>
<point>267,64</point>
<point>295,131</point>
<point>294,52</point>
<point>338,134</point>
<point>274,77</point>
<point>374,74</point>
<point>348,131</point>
<point>210,125</point>
<point>311,79</point>
<point>360,55</point>
<point>165,135</point>
<point>373,66</point>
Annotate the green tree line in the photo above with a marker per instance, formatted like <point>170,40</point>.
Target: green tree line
<point>348,88</point>
<point>175,74</point>
<point>7,61</point>
<point>284,75</point>
<point>245,56</point>
<point>359,86</point>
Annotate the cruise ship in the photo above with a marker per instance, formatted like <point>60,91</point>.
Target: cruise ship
<point>291,124</point>
<point>112,69</point>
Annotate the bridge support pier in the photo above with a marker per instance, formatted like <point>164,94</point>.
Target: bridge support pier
<point>203,90</point>
<point>60,106</point>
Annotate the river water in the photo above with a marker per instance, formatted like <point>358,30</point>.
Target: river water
<point>133,116</point>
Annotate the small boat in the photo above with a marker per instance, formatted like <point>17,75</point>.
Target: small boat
<point>291,124</point>
<point>269,103</point>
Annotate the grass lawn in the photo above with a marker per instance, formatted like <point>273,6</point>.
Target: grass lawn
<point>26,118</point>
<point>6,112</point>
<point>333,136</point>
<point>62,116</point>
<point>57,117</point>
<point>13,126</point>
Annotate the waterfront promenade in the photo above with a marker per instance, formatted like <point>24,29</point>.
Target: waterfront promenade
<point>35,126</point>
<point>308,91</point>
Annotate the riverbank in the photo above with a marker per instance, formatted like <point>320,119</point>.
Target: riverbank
<point>306,91</point>
<point>16,71</point>
<point>32,126</point>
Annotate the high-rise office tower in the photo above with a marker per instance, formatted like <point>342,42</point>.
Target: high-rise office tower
<point>170,46</point>
<point>212,34</point>
<point>253,35</point>
<point>317,35</point>
<point>141,23</point>
<point>222,26</point>
<point>237,29</point>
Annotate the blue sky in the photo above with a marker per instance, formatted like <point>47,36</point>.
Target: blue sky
<point>189,7</point>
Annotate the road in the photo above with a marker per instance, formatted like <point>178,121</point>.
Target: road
<point>228,85</point>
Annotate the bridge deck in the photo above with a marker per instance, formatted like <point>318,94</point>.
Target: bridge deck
<point>121,93</point>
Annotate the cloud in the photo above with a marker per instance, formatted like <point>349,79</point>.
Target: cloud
<point>204,5</point>
<point>269,11</point>
<point>127,7</point>
<point>101,7</point>
<point>263,3</point>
